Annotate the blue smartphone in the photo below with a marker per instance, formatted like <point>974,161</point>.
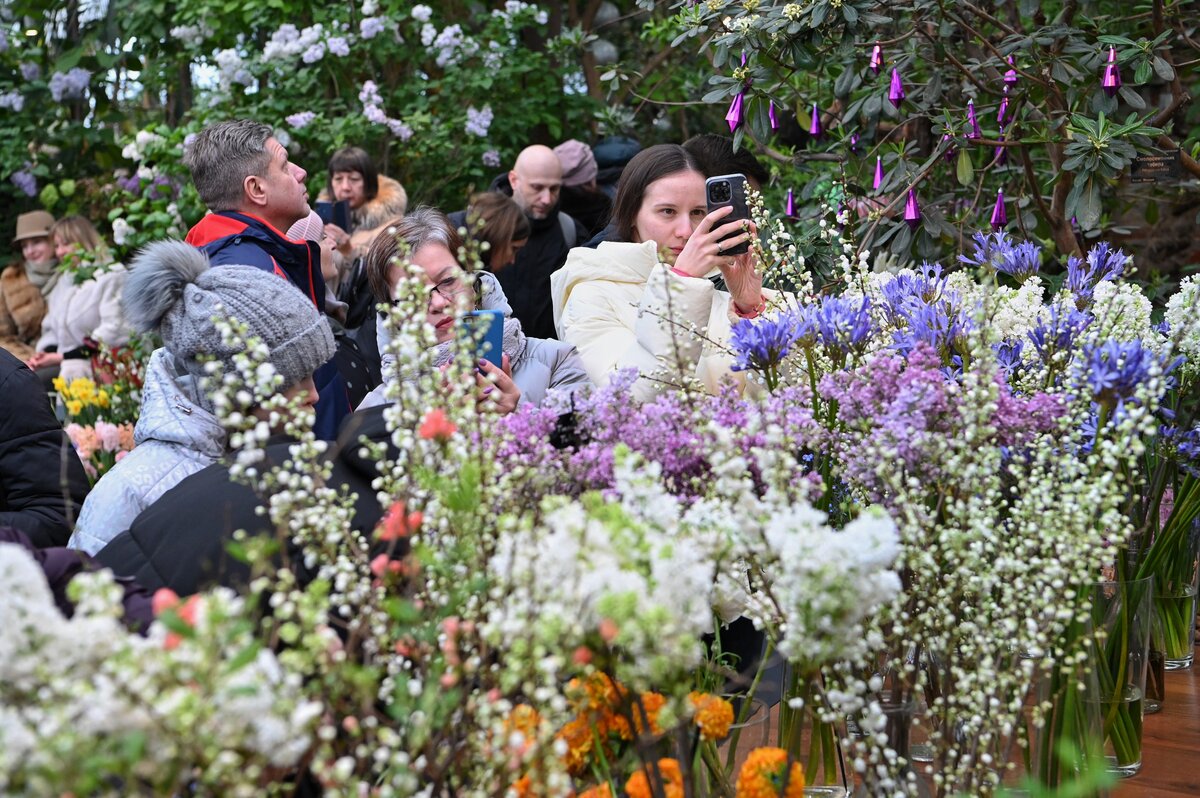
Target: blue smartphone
<point>485,330</point>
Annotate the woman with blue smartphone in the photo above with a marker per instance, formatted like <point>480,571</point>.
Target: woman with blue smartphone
<point>514,368</point>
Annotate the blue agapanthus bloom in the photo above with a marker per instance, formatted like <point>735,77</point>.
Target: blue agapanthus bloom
<point>1008,355</point>
<point>1058,332</point>
<point>996,251</point>
<point>763,343</point>
<point>1102,263</point>
<point>843,324</point>
<point>1114,370</point>
<point>1188,451</point>
<point>942,324</point>
<point>906,293</point>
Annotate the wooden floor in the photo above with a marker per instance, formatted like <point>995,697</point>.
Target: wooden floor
<point>1170,744</point>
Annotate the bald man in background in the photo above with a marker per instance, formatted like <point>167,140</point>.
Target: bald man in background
<point>534,183</point>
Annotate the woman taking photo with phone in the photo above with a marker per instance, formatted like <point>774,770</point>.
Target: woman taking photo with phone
<point>531,367</point>
<point>641,299</point>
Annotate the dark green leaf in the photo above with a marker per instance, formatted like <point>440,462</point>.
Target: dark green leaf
<point>1087,211</point>
<point>1132,98</point>
<point>966,169</point>
<point>1162,68</point>
<point>1142,73</point>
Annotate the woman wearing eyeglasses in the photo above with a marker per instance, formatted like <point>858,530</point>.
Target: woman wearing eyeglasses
<point>533,367</point>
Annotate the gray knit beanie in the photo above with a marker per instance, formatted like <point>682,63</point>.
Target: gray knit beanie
<point>171,289</point>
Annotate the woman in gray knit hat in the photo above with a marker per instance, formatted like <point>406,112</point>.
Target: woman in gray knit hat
<point>171,290</point>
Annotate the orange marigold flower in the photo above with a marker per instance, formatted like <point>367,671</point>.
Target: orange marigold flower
<point>638,785</point>
<point>596,692</point>
<point>577,734</point>
<point>599,791</point>
<point>523,787</point>
<point>523,719</point>
<point>436,426</point>
<point>765,772</point>
<point>713,715</point>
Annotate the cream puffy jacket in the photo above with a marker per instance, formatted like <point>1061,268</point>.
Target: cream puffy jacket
<point>614,304</point>
<point>89,310</point>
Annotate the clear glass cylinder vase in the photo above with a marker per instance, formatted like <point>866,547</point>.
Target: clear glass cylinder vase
<point>1122,615</point>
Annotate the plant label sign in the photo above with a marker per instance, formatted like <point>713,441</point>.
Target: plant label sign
<point>1156,168</point>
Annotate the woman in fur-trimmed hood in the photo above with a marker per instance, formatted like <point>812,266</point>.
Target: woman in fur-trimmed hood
<point>374,200</point>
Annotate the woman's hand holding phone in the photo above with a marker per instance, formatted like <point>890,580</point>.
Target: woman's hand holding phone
<point>705,251</point>
<point>497,391</point>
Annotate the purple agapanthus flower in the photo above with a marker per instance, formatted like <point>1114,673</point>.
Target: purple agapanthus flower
<point>762,344</point>
<point>1114,370</point>
<point>906,293</point>
<point>843,324</point>
<point>1058,332</point>
<point>1008,356</point>
<point>1102,263</point>
<point>996,251</point>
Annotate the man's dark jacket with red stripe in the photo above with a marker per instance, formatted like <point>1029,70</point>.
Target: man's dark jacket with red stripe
<point>230,238</point>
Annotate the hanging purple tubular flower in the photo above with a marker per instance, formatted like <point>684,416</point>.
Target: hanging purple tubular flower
<point>912,210</point>
<point>972,121</point>
<point>896,92</point>
<point>854,143</point>
<point>878,172</point>
<point>790,208</point>
<point>1010,77</point>
<point>1111,81</point>
<point>772,117</point>
<point>814,128</point>
<point>1003,111</point>
<point>876,62</point>
<point>951,151</point>
<point>999,215</point>
<point>737,112</point>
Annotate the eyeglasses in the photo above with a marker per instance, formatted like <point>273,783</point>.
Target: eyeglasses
<point>449,289</point>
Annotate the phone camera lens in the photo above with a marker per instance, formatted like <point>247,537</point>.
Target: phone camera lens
<point>720,192</point>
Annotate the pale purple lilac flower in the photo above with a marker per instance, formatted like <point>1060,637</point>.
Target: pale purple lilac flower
<point>371,27</point>
<point>69,85</point>
<point>491,159</point>
<point>30,70</point>
<point>25,181</point>
<point>300,120</point>
<point>13,100</point>
<point>399,129</point>
<point>314,53</point>
<point>479,121</point>
<point>369,94</point>
<point>338,46</point>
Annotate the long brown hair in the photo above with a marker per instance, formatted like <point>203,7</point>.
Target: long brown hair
<point>498,220</point>
<point>649,165</point>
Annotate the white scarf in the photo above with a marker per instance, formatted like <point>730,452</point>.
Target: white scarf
<point>44,274</point>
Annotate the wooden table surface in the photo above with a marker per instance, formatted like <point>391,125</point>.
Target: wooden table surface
<point>1170,744</point>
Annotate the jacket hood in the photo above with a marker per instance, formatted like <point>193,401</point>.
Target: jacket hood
<point>172,412</point>
<point>611,261</point>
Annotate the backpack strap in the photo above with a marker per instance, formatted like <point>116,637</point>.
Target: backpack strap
<point>567,224</point>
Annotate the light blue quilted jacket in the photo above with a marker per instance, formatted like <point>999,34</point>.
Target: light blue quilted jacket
<point>175,437</point>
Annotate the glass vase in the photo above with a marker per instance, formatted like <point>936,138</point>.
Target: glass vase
<point>1122,614</point>
<point>899,717</point>
<point>1175,601</point>
<point>808,739</point>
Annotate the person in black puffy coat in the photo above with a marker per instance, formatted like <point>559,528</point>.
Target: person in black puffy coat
<point>42,482</point>
<point>160,551</point>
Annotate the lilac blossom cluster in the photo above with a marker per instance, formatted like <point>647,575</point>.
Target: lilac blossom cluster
<point>25,181</point>
<point>478,121</point>
<point>69,85</point>
<point>12,100</point>
<point>372,102</point>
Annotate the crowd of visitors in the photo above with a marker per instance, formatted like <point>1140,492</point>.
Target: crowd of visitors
<point>592,256</point>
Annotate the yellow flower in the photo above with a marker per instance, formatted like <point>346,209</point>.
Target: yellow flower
<point>102,398</point>
<point>765,772</point>
<point>74,407</point>
<point>523,719</point>
<point>60,385</point>
<point>713,715</point>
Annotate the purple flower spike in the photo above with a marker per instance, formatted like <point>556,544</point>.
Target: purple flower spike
<point>1003,111</point>
<point>1111,81</point>
<point>854,143</point>
<point>771,116</point>
<point>912,210</point>
<point>999,215</point>
<point>972,121</point>
<point>876,62</point>
<point>896,92</point>
<point>814,128</point>
<point>737,112</point>
<point>1010,77</point>
<point>878,172</point>
<point>790,209</point>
